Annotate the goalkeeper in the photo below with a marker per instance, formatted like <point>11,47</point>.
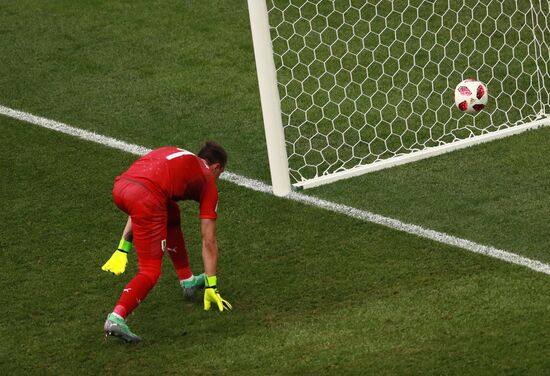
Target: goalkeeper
<point>148,192</point>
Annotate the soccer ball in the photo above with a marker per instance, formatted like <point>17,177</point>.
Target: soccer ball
<point>471,96</point>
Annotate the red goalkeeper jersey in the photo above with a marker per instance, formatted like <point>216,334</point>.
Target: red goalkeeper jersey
<point>176,174</point>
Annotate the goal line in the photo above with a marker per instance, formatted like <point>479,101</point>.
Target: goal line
<point>259,186</point>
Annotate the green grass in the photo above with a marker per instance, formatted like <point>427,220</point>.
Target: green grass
<point>494,194</point>
<point>314,292</point>
<point>342,295</point>
<point>150,72</point>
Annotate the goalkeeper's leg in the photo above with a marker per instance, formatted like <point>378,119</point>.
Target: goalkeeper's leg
<point>149,227</point>
<point>132,295</point>
<point>175,245</point>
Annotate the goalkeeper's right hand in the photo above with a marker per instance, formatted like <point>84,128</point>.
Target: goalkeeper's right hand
<point>212,295</point>
<point>117,263</point>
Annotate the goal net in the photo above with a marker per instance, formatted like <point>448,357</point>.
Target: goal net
<point>362,85</point>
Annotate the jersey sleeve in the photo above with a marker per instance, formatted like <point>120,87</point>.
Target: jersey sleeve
<point>209,200</point>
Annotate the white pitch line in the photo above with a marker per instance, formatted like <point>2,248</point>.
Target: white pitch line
<point>295,196</point>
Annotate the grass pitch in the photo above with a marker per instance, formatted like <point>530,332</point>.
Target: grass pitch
<point>314,292</point>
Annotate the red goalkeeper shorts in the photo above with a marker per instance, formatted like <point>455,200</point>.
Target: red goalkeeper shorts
<point>156,224</point>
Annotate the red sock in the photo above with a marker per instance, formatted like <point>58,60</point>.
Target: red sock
<point>178,252</point>
<point>120,310</point>
<point>181,264</point>
<point>138,288</point>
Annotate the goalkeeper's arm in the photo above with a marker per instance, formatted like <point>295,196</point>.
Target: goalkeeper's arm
<point>209,246</point>
<point>127,233</point>
<point>117,263</point>
<point>210,260</point>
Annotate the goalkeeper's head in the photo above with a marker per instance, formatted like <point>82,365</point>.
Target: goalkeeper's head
<point>215,156</point>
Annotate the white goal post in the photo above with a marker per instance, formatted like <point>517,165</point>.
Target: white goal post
<point>353,86</point>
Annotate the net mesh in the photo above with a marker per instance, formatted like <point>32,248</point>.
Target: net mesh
<point>363,81</point>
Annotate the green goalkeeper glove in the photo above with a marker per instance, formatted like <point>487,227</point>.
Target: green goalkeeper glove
<point>117,263</point>
<point>211,295</point>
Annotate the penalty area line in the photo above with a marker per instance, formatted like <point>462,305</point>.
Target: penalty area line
<point>259,186</point>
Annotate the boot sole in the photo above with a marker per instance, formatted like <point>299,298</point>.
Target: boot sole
<point>121,335</point>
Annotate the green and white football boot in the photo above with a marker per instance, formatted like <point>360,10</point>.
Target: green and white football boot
<point>192,286</point>
<point>116,326</point>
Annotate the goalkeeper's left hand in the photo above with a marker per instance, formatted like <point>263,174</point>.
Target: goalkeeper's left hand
<point>212,295</point>
<point>117,263</point>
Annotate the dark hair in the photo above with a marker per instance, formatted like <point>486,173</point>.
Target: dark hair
<point>213,152</point>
